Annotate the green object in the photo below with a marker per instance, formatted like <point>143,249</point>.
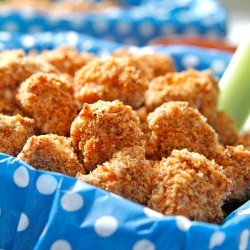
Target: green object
<point>235,85</point>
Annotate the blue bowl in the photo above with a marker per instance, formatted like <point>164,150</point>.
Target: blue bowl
<point>44,210</point>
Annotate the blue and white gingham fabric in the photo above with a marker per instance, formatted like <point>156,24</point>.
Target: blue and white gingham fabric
<point>137,24</point>
<point>44,210</point>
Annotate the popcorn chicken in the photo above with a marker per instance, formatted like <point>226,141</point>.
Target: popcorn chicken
<point>103,128</point>
<point>111,79</point>
<point>52,153</point>
<point>14,132</point>
<point>66,59</point>
<point>15,67</point>
<point>158,64</point>
<point>190,185</point>
<point>236,165</point>
<point>127,173</point>
<point>50,101</point>
<point>175,125</point>
<point>224,125</point>
<point>198,88</point>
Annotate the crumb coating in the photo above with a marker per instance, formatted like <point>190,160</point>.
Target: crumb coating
<point>224,125</point>
<point>236,165</point>
<point>111,79</point>
<point>127,174</point>
<point>175,125</point>
<point>14,132</point>
<point>157,64</point>
<point>51,153</point>
<point>200,89</point>
<point>190,185</point>
<point>103,128</point>
<point>50,101</point>
<point>66,59</point>
<point>15,67</point>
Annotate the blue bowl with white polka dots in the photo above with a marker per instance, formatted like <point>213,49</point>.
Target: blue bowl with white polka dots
<point>183,56</point>
<point>43,210</point>
<point>137,24</point>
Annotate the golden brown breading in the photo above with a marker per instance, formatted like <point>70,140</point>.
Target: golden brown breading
<point>225,127</point>
<point>190,185</point>
<point>158,64</point>
<point>244,139</point>
<point>111,79</point>
<point>197,88</point>
<point>236,165</point>
<point>127,174</point>
<point>11,54</point>
<point>66,59</point>
<point>15,68</point>
<point>14,132</point>
<point>161,64</point>
<point>51,152</point>
<point>8,107</point>
<point>175,125</point>
<point>50,101</point>
<point>103,128</point>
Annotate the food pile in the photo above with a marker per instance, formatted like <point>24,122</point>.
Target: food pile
<point>128,124</point>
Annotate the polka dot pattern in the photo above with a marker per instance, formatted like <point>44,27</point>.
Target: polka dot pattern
<point>28,41</point>
<point>143,22</point>
<point>21,177</point>
<point>23,222</point>
<point>46,184</point>
<point>60,245</point>
<point>190,61</point>
<point>183,223</point>
<point>244,238</point>
<point>71,202</point>
<point>105,226</point>
<point>144,245</point>
<point>216,239</point>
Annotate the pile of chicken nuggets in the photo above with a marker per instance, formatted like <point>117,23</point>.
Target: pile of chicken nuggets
<point>128,123</point>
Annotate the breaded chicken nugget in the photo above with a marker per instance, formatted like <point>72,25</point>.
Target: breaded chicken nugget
<point>127,174</point>
<point>52,153</point>
<point>158,63</point>
<point>225,127</point>
<point>244,139</point>
<point>14,132</point>
<point>190,185</point>
<point>50,101</point>
<point>236,165</point>
<point>8,107</point>
<point>11,54</point>
<point>15,68</point>
<point>198,88</point>
<point>175,125</point>
<point>103,128</point>
<point>111,79</point>
<point>66,59</point>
